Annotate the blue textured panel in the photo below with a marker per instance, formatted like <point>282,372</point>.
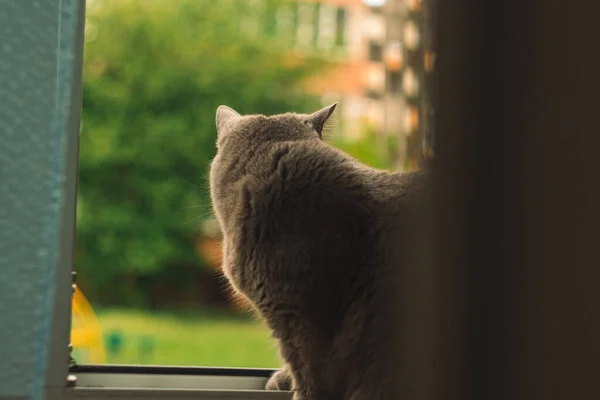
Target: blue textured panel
<point>36,53</point>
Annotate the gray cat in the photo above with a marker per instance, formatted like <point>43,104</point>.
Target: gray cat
<point>317,243</point>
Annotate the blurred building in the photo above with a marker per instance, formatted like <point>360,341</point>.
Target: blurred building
<point>366,80</point>
<point>384,65</point>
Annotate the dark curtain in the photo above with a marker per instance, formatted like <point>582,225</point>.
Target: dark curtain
<point>507,303</point>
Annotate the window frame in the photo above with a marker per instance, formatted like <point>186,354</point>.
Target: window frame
<point>101,381</point>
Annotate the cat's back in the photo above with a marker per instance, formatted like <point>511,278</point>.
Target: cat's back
<point>322,196</point>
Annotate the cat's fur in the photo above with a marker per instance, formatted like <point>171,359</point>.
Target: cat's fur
<point>317,242</point>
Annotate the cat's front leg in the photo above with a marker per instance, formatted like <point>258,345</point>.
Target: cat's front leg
<point>280,380</point>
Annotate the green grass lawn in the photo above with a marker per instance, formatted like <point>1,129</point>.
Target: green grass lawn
<point>203,338</point>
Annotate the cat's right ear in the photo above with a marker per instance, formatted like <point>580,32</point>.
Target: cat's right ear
<point>224,115</point>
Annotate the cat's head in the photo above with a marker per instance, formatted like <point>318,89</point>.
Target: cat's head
<point>233,127</point>
<point>247,145</point>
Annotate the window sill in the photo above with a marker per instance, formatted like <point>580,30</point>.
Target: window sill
<point>145,382</point>
<point>200,394</point>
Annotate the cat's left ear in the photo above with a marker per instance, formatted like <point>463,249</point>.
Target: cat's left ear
<point>319,118</point>
<point>224,115</point>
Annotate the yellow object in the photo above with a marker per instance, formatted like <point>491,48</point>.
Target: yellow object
<point>85,330</point>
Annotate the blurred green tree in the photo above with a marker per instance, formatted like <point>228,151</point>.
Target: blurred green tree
<point>376,150</point>
<point>154,73</point>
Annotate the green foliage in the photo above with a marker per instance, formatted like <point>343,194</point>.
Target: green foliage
<point>378,151</point>
<point>154,73</point>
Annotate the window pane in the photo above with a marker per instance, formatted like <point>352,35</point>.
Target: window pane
<point>340,27</point>
<point>148,247</point>
<point>375,51</point>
